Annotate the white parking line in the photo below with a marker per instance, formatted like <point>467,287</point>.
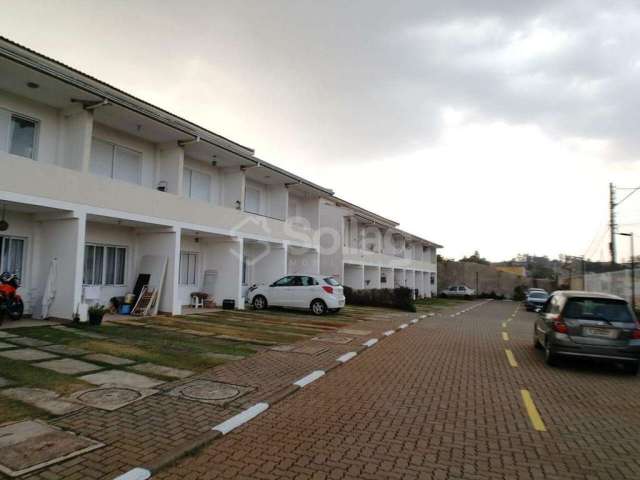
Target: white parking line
<point>388,333</point>
<point>241,418</point>
<point>415,320</point>
<point>403,326</point>
<point>371,342</point>
<point>312,377</point>
<point>137,473</point>
<point>346,357</point>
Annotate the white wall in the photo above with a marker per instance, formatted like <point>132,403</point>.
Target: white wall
<point>388,273</point>
<point>169,167</point>
<point>371,277</point>
<point>265,263</point>
<point>302,260</point>
<point>354,276</point>
<point>331,253</point>
<point>48,129</point>
<point>62,239</point>
<point>165,243</point>
<point>398,277</point>
<point>232,182</point>
<point>226,258</point>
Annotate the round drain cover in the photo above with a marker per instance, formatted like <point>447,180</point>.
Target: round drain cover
<point>110,395</point>
<point>209,391</point>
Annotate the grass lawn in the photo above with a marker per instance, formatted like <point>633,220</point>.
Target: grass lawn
<point>193,342</point>
<point>431,304</point>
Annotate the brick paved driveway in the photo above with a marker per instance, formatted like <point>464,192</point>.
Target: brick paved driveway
<point>440,400</point>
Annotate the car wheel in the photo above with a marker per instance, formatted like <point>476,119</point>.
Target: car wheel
<point>632,367</point>
<point>536,342</point>
<point>550,357</point>
<point>15,310</point>
<point>318,307</point>
<point>259,302</point>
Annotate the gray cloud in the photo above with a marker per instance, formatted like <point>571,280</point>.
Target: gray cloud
<point>367,79</point>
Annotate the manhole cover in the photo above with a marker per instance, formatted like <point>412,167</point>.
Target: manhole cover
<point>111,397</point>
<point>209,391</point>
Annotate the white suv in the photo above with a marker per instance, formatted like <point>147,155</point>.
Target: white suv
<point>319,293</point>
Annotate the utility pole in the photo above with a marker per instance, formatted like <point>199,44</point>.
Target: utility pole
<point>612,222</point>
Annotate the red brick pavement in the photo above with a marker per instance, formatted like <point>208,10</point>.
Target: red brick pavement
<point>440,401</point>
<point>146,430</point>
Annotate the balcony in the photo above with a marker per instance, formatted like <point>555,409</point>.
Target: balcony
<point>359,256</point>
<point>65,186</point>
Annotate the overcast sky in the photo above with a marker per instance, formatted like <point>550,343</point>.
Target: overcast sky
<point>491,125</point>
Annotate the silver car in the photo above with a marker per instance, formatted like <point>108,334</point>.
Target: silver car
<point>588,324</point>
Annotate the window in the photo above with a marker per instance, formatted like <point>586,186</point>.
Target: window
<point>104,265</point>
<point>196,185</point>
<point>283,282</point>
<point>188,268</point>
<point>331,281</point>
<point>22,137</point>
<point>252,200</point>
<point>12,255</point>
<point>115,161</point>
<point>309,282</point>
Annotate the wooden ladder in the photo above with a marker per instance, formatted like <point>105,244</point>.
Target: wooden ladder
<point>145,302</point>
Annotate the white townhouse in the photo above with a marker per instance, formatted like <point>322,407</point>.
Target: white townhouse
<point>108,187</point>
<point>373,252</point>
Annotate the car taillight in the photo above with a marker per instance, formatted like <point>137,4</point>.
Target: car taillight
<point>327,288</point>
<point>559,325</point>
<point>636,334</point>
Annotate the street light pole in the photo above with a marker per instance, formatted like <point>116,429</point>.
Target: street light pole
<point>633,271</point>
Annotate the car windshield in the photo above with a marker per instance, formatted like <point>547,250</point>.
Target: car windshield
<point>598,309</point>
<point>540,295</point>
<point>332,281</point>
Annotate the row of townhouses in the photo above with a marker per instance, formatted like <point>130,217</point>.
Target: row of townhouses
<point>95,182</point>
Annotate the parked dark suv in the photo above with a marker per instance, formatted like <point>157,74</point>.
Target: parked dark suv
<point>588,324</point>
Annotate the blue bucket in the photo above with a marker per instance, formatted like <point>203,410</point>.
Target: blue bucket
<point>125,309</point>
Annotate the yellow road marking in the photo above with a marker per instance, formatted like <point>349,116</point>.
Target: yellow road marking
<point>505,336</point>
<point>532,411</point>
<point>511,358</point>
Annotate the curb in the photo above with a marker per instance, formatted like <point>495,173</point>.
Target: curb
<point>147,471</point>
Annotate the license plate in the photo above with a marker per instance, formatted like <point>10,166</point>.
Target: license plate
<point>600,332</point>
<point>341,303</point>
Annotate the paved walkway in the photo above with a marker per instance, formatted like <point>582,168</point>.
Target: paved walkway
<point>442,400</point>
<point>148,429</point>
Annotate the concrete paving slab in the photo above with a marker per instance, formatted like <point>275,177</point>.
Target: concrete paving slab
<point>80,332</point>
<point>69,366</point>
<point>339,339</point>
<point>111,397</point>
<point>209,391</point>
<point>310,349</point>
<point>162,370</point>
<point>30,445</point>
<point>27,354</point>
<point>354,331</point>
<point>65,350</point>
<point>4,345</point>
<point>121,378</point>
<point>41,398</point>
<point>5,334</point>
<point>5,382</point>
<point>29,342</point>
<point>223,356</point>
<point>282,348</point>
<point>110,359</point>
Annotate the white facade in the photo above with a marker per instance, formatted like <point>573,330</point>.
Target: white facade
<point>372,252</point>
<point>100,180</point>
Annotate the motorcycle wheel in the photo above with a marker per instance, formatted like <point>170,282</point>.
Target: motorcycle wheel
<point>15,310</point>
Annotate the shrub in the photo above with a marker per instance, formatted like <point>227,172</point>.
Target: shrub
<point>401,298</point>
<point>518,293</point>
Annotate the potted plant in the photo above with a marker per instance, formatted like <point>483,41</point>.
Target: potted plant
<point>96,312</point>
